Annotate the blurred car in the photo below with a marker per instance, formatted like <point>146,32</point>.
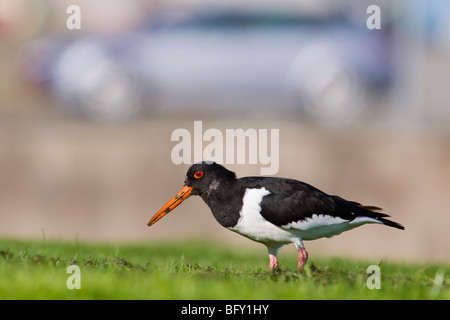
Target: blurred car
<point>326,67</point>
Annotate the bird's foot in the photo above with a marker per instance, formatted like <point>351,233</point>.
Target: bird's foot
<point>302,257</point>
<point>273,261</point>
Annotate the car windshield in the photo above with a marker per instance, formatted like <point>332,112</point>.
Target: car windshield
<point>232,20</point>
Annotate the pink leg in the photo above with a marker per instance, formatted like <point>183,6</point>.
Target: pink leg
<point>273,261</point>
<point>302,257</point>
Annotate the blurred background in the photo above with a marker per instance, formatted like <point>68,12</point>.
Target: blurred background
<point>86,115</point>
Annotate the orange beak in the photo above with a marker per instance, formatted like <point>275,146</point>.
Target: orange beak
<point>172,204</point>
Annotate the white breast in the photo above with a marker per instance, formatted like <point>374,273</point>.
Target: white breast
<point>252,225</point>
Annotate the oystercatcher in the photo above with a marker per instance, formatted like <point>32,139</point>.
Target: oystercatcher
<point>272,211</point>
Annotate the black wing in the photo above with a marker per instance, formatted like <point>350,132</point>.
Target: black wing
<point>298,201</point>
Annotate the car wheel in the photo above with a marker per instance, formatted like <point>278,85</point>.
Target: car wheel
<point>327,91</point>
<point>111,94</point>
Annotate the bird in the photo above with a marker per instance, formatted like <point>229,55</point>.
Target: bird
<point>273,211</point>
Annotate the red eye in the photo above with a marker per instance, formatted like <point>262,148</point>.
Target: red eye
<point>198,174</point>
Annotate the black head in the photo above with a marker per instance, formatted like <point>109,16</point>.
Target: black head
<point>201,179</point>
<point>205,177</point>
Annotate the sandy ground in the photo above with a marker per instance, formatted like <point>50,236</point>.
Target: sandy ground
<point>79,180</point>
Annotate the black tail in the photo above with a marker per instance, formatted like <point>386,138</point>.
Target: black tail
<point>368,211</point>
<point>391,223</point>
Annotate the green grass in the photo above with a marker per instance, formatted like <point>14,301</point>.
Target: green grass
<point>196,270</point>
